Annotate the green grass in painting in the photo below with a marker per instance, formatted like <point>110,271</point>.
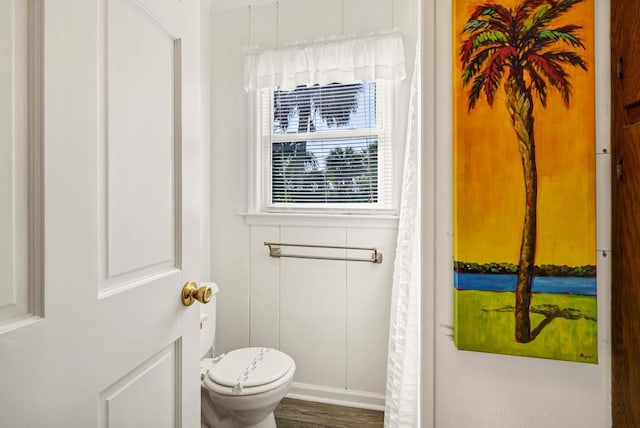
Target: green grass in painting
<point>566,325</point>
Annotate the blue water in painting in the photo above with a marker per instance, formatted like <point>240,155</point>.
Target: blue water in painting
<point>541,284</point>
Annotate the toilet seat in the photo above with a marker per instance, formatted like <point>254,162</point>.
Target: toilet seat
<point>249,371</point>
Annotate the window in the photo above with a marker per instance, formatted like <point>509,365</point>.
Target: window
<point>318,145</point>
<point>326,147</point>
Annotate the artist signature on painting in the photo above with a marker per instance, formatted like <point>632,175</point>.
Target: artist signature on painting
<point>585,357</point>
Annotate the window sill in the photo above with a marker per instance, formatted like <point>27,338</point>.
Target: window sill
<point>321,220</point>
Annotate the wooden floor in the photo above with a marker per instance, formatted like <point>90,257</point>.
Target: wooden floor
<point>306,414</point>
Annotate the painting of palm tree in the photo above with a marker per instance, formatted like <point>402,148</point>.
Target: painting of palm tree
<point>521,52</point>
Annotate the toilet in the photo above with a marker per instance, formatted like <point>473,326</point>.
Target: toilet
<point>242,388</point>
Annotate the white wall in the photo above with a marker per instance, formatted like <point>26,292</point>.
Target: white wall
<point>331,316</point>
<point>469,389</point>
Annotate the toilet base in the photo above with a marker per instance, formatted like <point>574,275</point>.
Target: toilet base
<point>268,422</point>
<point>213,416</point>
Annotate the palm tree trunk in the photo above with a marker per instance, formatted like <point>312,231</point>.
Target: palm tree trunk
<point>520,107</point>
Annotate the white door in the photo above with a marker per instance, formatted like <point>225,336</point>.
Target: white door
<point>99,212</point>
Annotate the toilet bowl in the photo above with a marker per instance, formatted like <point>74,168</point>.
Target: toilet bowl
<point>245,386</point>
<point>241,389</point>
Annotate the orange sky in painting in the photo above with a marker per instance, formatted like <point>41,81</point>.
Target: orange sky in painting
<point>489,190</point>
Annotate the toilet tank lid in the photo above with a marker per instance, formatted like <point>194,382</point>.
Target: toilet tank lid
<point>247,367</point>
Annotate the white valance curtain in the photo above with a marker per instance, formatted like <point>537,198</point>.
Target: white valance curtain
<point>368,58</point>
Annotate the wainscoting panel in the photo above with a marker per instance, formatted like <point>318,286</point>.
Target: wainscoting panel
<point>331,316</point>
<point>368,303</point>
<point>313,303</point>
<point>264,303</point>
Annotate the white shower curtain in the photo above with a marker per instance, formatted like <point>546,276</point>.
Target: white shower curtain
<point>403,366</point>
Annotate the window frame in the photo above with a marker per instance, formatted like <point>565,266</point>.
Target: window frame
<point>264,136</point>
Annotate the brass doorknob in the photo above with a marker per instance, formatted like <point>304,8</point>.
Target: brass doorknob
<point>191,292</point>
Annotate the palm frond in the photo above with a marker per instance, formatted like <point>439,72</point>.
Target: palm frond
<point>495,53</point>
<point>481,39</point>
<point>493,10</point>
<point>483,10</point>
<point>559,8</point>
<point>538,85</point>
<point>476,90</point>
<point>475,64</point>
<point>554,73</point>
<point>492,81</point>
<point>525,8</point>
<point>337,101</point>
<point>504,14</point>
<point>567,57</point>
<point>545,14</point>
<point>489,79</point>
<point>494,72</point>
<point>563,34</point>
<point>534,21</point>
<point>284,105</point>
<point>489,37</point>
<point>474,25</point>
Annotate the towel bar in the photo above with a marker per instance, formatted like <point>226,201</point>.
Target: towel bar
<point>275,250</point>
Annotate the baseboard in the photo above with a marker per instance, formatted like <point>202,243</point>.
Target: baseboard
<point>337,396</point>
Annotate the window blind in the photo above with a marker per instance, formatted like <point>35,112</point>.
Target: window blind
<point>327,146</point>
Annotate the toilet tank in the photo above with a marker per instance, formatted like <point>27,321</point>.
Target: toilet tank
<point>208,321</point>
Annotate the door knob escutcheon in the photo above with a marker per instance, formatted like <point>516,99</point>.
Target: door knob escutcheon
<point>191,292</point>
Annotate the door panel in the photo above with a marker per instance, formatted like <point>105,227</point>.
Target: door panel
<point>625,308</point>
<point>14,275</point>
<point>142,138</point>
<point>115,347</point>
<point>145,397</point>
